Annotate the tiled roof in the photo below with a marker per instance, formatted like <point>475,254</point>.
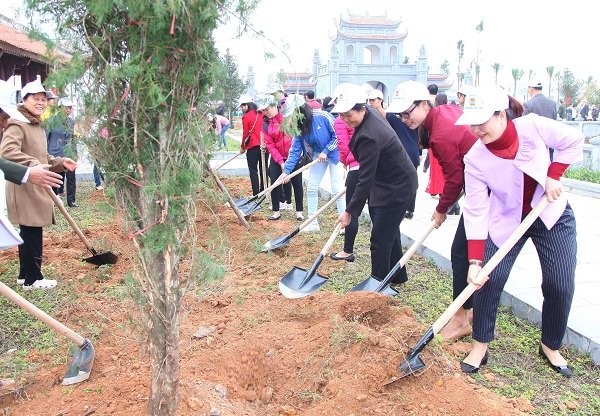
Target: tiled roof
<point>389,36</point>
<point>20,44</point>
<point>370,20</point>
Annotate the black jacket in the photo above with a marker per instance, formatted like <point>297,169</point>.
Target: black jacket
<point>386,176</point>
<point>408,137</point>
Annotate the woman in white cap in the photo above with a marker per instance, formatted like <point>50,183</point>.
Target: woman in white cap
<point>30,206</point>
<point>386,178</point>
<point>495,205</point>
<point>251,127</point>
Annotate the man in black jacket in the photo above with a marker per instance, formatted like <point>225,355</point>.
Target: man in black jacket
<point>387,179</point>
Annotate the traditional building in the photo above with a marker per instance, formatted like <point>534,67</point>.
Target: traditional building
<point>370,50</point>
<point>23,56</point>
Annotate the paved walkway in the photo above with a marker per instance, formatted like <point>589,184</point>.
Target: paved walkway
<point>522,292</point>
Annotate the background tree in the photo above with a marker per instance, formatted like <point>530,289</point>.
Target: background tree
<point>550,71</point>
<point>570,87</point>
<point>143,66</point>
<point>479,29</point>
<point>558,76</point>
<point>230,85</point>
<point>445,67</point>
<point>496,68</point>
<point>517,74</point>
<point>460,47</point>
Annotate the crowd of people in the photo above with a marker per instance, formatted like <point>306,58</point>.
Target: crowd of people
<point>378,149</point>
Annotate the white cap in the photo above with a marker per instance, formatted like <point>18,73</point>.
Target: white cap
<point>375,93</point>
<point>348,97</point>
<point>406,94</point>
<point>34,87</point>
<point>481,104</point>
<point>341,87</point>
<point>272,89</point>
<point>7,100</point>
<point>66,102</point>
<point>245,99</point>
<point>292,102</point>
<point>267,101</point>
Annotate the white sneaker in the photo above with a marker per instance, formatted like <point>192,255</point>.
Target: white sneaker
<point>342,231</point>
<point>311,227</point>
<point>20,281</point>
<point>286,206</point>
<point>41,284</point>
<point>99,188</point>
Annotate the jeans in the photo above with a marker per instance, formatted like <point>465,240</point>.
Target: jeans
<point>336,176</point>
<point>285,190</point>
<point>98,176</point>
<point>222,141</point>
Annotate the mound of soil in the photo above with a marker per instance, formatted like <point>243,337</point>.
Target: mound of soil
<point>245,349</point>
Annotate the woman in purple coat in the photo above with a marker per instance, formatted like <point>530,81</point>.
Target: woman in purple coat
<point>496,204</point>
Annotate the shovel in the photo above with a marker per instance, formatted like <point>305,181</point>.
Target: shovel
<point>80,364</point>
<point>298,283</point>
<point>279,242</point>
<point>371,284</point>
<point>98,259</point>
<point>251,205</point>
<point>413,363</point>
<point>216,168</point>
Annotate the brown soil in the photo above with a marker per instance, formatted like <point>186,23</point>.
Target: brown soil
<point>326,354</point>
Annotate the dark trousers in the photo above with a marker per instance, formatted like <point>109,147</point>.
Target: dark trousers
<point>285,190</point>
<point>557,250</point>
<point>254,160</point>
<point>386,249</point>
<point>460,263</point>
<point>352,227</point>
<point>413,201</point>
<point>71,184</point>
<point>30,254</point>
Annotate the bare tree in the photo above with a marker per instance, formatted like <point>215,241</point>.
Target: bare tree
<point>517,74</point>
<point>550,71</point>
<point>496,68</point>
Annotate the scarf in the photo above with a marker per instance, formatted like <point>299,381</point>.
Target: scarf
<point>32,119</point>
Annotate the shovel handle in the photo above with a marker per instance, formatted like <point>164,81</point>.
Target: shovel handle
<point>41,315</point>
<point>69,219</point>
<point>279,181</point>
<point>331,239</point>
<point>216,168</point>
<point>323,208</point>
<point>491,264</point>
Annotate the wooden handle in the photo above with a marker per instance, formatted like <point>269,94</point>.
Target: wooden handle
<point>41,315</point>
<point>291,175</point>
<point>331,239</point>
<point>323,208</point>
<point>226,162</point>
<point>63,210</point>
<point>491,264</point>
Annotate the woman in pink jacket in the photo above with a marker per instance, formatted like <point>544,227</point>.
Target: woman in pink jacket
<point>278,144</point>
<point>495,205</point>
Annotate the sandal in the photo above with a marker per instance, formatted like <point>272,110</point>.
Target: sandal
<point>42,284</point>
<point>349,258</point>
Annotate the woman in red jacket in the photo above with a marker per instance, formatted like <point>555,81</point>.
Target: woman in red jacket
<point>278,145</point>
<point>252,124</point>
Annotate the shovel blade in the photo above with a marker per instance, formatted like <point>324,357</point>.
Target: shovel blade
<point>275,243</point>
<point>371,284</point>
<point>295,284</point>
<point>80,364</point>
<point>100,259</point>
<point>250,208</point>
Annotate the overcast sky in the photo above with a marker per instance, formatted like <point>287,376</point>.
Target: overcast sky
<point>524,34</point>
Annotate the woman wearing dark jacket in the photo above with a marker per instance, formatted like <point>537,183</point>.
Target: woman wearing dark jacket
<point>387,179</point>
<point>251,127</point>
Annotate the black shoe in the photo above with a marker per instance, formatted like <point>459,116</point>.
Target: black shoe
<point>562,369</point>
<point>350,258</point>
<point>470,369</point>
<point>73,205</point>
<point>409,215</point>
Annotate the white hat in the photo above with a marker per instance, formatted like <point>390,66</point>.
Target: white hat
<point>292,102</point>
<point>481,104</point>
<point>7,99</point>
<point>375,93</point>
<point>267,101</point>
<point>65,102</point>
<point>34,87</point>
<point>348,97</point>
<point>406,93</point>
<point>245,99</point>
<point>272,89</point>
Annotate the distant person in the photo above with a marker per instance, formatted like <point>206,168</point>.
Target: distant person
<point>222,124</point>
<point>562,113</point>
<point>461,94</point>
<point>327,104</point>
<point>507,172</point>
<point>220,110</point>
<point>584,112</point>
<point>61,142</point>
<point>309,97</point>
<point>539,104</point>
<point>433,91</point>
<point>375,100</point>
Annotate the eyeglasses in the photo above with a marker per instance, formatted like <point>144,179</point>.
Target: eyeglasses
<point>406,114</point>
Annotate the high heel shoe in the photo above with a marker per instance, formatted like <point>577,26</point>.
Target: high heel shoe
<point>471,369</point>
<point>562,369</point>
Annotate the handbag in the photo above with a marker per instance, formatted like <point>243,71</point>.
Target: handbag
<point>305,159</point>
